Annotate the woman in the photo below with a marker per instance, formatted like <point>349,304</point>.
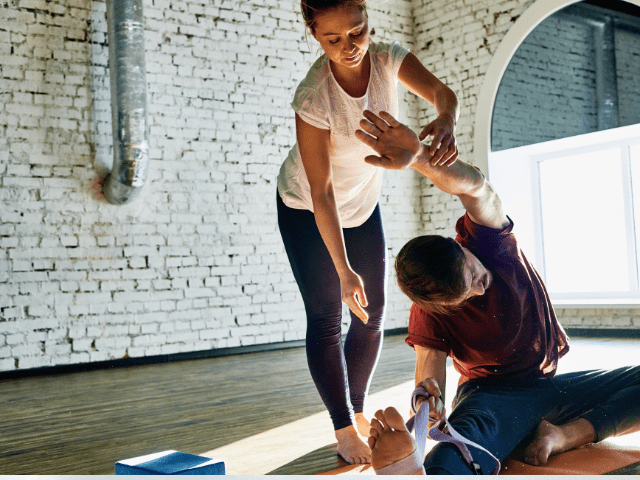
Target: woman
<point>328,210</point>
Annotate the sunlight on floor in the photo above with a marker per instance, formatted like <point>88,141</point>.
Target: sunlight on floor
<point>276,447</point>
<point>279,446</point>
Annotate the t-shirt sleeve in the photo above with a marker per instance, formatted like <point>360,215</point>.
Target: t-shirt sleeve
<point>392,55</point>
<point>310,106</point>
<point>425,331</point>
<point>397,54</point>
<point>485,240</point>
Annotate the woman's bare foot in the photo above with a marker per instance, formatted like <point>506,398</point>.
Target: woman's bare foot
<point>550,440</point>
<point>390,440</point>
<point>363,425</point>
<point>351,447</point>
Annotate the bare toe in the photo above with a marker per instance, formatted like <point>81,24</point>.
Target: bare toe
<point>394,419</point>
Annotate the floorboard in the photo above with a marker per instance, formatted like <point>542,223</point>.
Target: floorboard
<point>258,412</point>
<point>82,423</point>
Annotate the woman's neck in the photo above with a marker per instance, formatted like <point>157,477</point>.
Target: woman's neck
<point>354,81</point>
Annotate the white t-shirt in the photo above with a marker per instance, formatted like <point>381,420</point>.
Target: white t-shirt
<point>321,102</point>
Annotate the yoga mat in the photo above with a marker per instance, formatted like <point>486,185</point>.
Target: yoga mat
<point>591,459</point>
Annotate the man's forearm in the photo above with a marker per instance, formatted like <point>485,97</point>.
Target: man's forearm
<point>398,147</point>
<point>458,179</point>
<point>468,183</point>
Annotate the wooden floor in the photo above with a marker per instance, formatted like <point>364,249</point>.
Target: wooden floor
<point>258,412</point>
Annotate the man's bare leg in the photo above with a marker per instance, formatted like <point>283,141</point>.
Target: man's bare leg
<point>390,440</point>
<point>351,447</point>
<point>550,440</point>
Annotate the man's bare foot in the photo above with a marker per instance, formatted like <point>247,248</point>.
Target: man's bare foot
<point>351,447</point>
<point>363,425</point>
<point>551,440</point>
<point>390,440</point>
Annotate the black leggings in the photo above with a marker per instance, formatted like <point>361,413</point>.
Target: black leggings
<point>342,376</point>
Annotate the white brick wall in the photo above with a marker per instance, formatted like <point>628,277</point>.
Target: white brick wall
<point>197,262</point>
<point>456,40</point>
<point>461,61</point>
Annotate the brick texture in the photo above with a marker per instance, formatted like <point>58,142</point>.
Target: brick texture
<point>196,262</point>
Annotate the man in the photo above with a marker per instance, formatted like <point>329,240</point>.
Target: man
<point>478,300</point>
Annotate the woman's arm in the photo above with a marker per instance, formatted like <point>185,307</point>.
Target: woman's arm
<point>422,82</point>
<point>314,149</point>
<point>398,147</point>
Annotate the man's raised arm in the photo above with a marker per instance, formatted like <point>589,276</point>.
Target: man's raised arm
<point>398,148</point>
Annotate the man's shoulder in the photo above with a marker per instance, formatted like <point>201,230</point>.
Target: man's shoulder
<point>480,238</point>
<point>417,312</point>
<point>419,318</point>
<point>425,331</point>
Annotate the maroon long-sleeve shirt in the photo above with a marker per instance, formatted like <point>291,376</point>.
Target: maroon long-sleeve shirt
<point>511,330</point>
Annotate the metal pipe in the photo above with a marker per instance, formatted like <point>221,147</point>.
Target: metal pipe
<point>607,77</point>
<point>604,42</point>
<point>128,101</point>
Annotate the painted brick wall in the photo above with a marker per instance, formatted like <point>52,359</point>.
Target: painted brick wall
<point>628,68</point>
<point>456,39</point>
<point>531,109</point>
<point>197,262</point>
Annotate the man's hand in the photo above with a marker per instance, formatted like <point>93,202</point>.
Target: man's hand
<point>436,407</point>
<point>397,145</point>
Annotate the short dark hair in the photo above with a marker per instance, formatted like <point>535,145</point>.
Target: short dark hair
<point>310,8</point>
<point>429,271</point>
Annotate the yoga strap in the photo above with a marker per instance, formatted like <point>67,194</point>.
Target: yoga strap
<point>442,431</point>
<point>406,466</point>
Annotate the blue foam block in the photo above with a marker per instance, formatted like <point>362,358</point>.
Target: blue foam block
<point>170,462</point>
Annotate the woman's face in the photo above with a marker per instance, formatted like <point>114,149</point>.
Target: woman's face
<point>343,34</point>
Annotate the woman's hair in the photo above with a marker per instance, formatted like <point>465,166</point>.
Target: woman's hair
<point>311,8</point>
<point>429,270</point>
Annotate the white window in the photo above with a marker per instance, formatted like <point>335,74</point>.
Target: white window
<point>576,206</point>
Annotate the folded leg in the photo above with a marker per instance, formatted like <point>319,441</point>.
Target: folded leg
<point>608,399</point>
<point>495,414</point>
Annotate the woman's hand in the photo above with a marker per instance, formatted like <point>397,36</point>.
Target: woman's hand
<point>443,148</point>
<point>353,294</point>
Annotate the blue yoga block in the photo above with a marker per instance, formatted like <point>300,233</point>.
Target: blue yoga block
<point>170,462</point>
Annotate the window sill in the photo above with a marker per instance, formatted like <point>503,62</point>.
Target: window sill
<point>596,303</point>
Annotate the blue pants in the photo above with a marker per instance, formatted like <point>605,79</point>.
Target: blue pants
<point>342,374</point>
<point>500,414</point>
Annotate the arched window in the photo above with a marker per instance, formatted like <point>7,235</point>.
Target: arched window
<point>563,144</point>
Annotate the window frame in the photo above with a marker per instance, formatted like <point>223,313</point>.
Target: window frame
<point>516,170</point>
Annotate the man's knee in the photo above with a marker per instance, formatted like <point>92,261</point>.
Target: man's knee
<point>446,459</point>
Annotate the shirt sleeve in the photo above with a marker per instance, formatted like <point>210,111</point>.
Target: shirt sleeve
<point>425,331</point>
<point>397,54</point>
<point>485,240</point>
<point>309,105</point>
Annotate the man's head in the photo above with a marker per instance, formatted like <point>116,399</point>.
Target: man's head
<point>438,274</point>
